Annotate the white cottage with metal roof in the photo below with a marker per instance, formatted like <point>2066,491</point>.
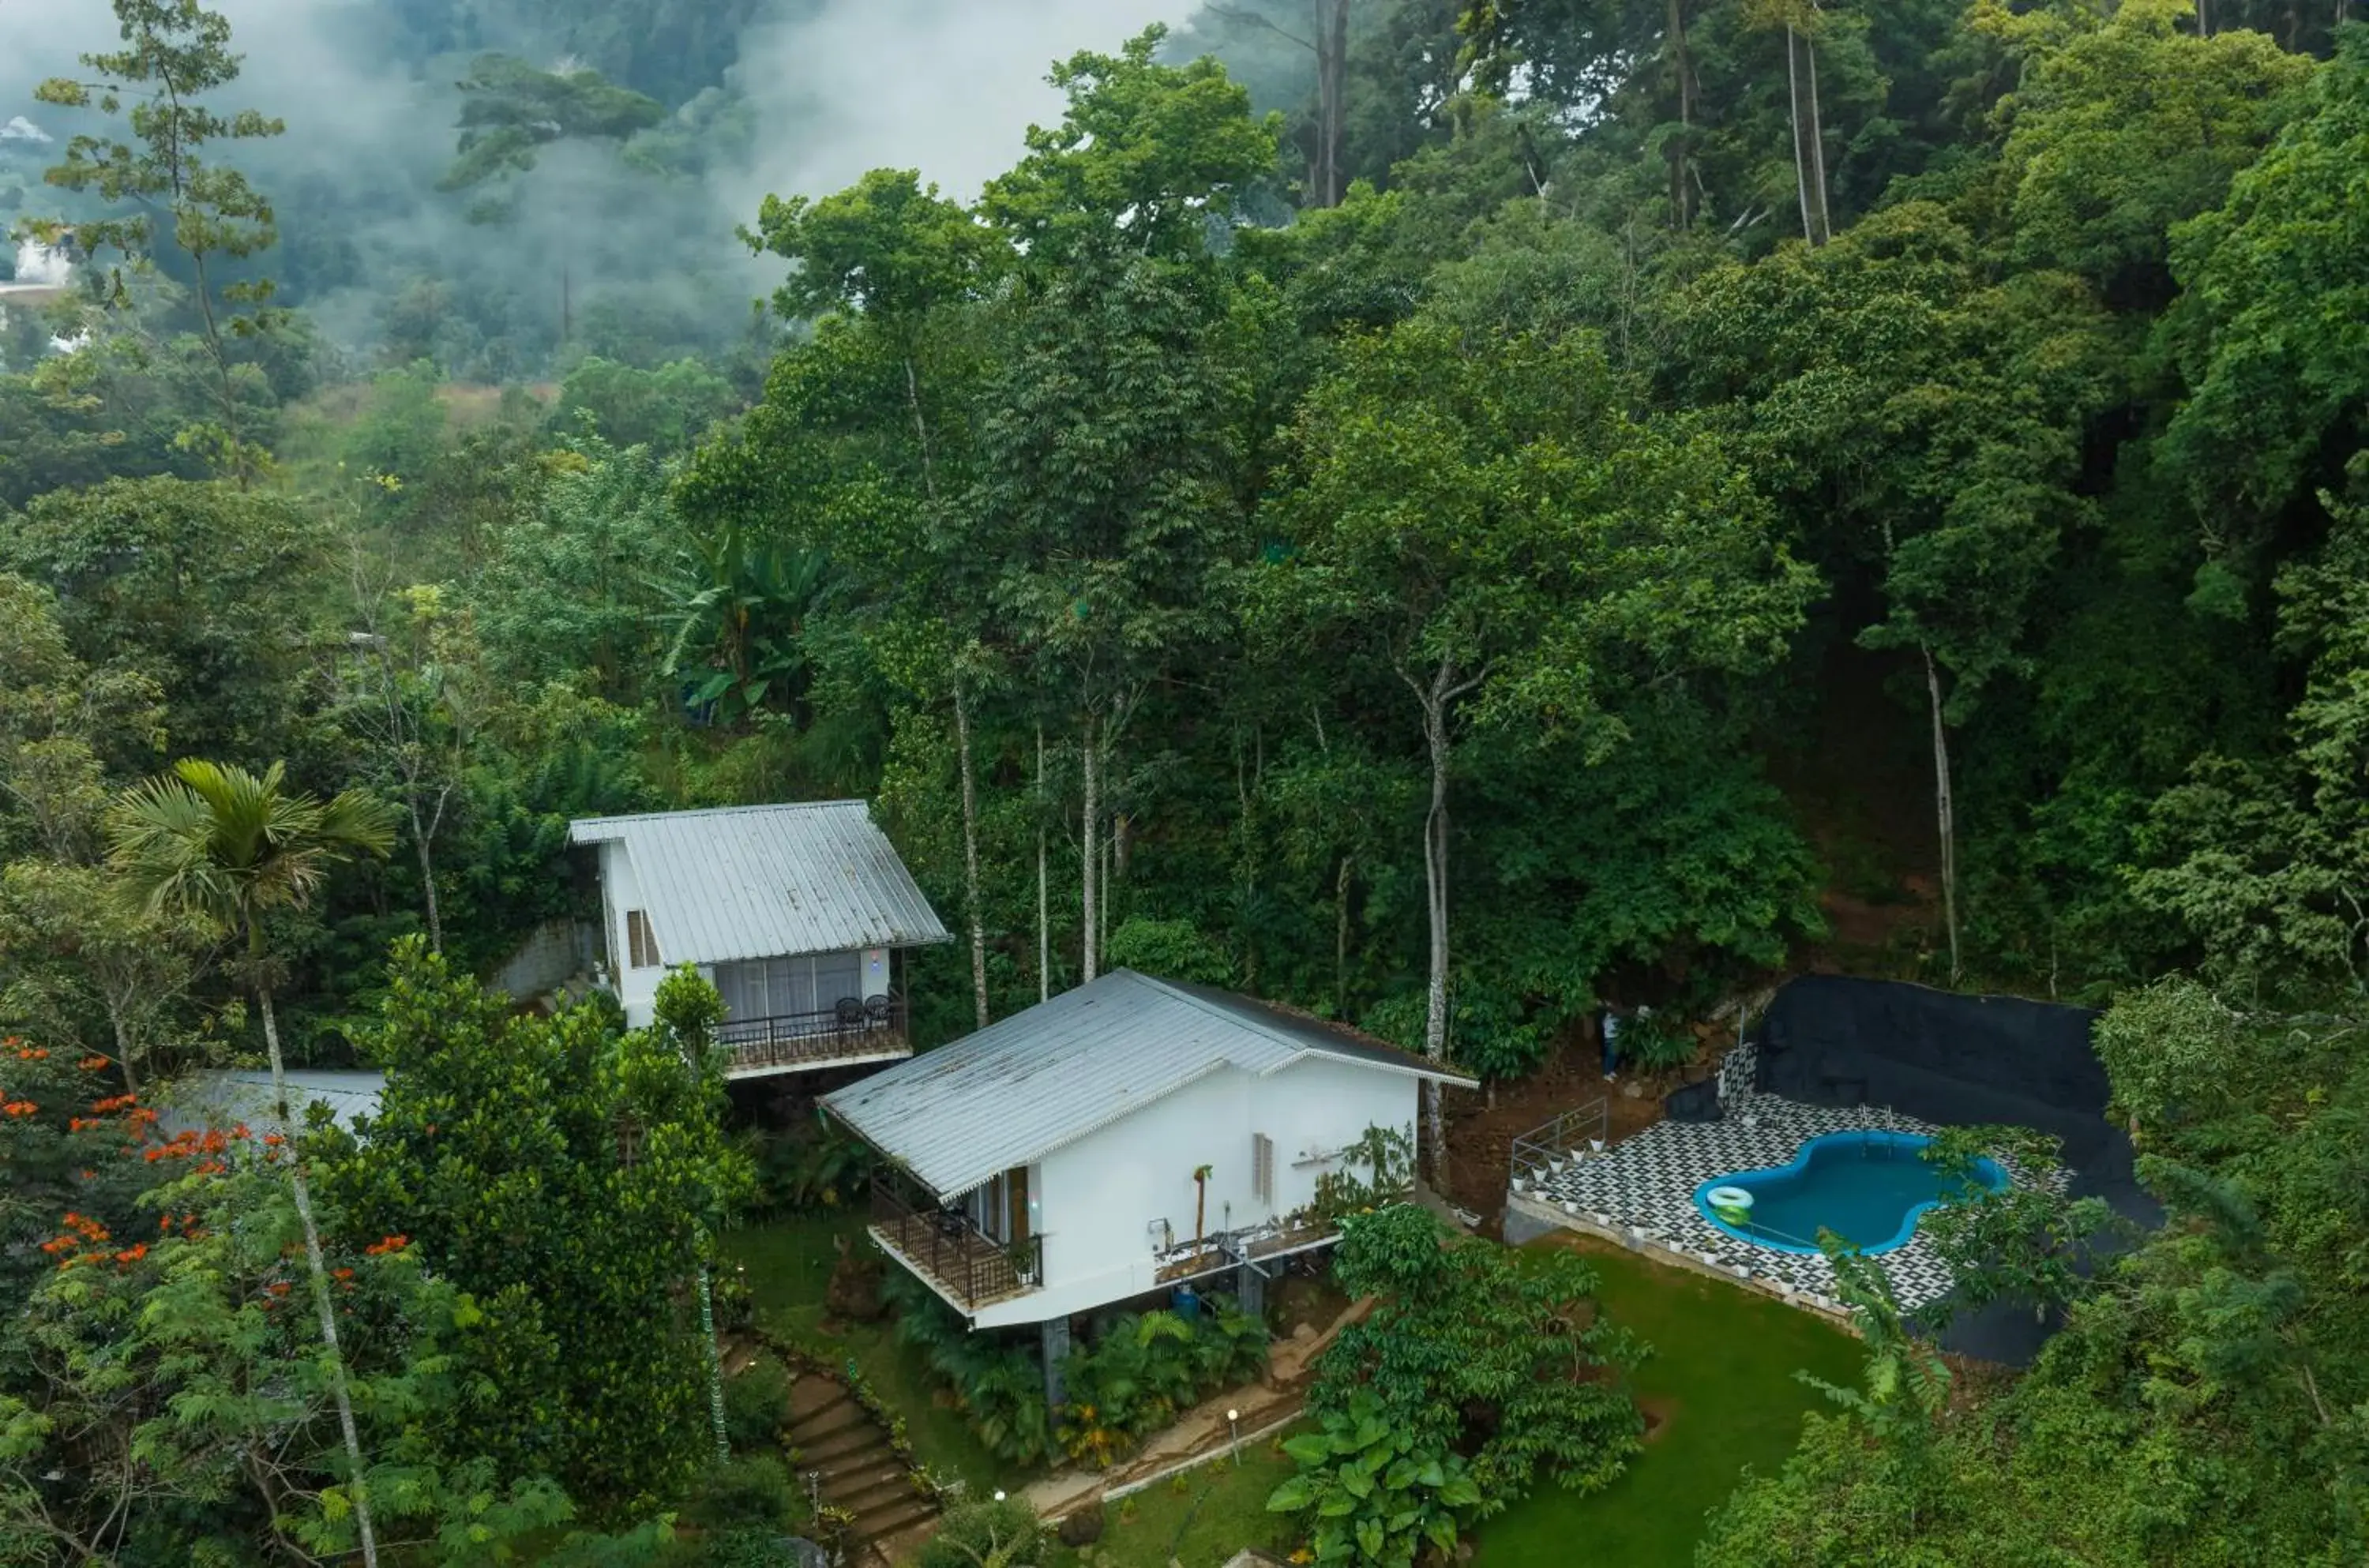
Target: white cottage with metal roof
<point>796,913</point>
<point>1128,1136</point>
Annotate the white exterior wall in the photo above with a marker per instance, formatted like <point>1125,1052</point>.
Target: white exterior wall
<point>1093,1199</point>
<point>620,892</point>
<point>637,990</point>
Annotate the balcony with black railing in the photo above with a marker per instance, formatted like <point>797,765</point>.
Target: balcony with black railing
<point>968,1267</point>
<point>870,1030</point>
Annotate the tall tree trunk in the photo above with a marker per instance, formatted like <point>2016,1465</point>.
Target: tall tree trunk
<point>297,1185</point>
<point>1044,903</point>
<point>1341,939</point>
<point>1246,862</point>
<point>1944,812</point>
<point>920,427</point>
<point>1817,150</point>
<point>1680,148</point>
<point>1435,871</point>
<point>420,833</point>
<point>123,1051</point>
<point>1332,31</point>
<point>1794,119</point>
<point>970,857</point>
<point>2205,18</point>
<point>1090,835</point>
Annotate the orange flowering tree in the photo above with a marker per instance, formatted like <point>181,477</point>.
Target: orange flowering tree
<point>68,1142</point>
<point>568,1175</point>
<point>168,1401</point>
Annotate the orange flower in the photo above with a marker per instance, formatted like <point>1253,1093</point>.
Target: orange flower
<point>19,1109</point>
<point>341,1274</point>
<point>93,1064</point>
<point>132,1255</point>
<point>272,1140</point>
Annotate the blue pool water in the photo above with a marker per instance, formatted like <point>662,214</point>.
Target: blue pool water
<point>1867,1187</point>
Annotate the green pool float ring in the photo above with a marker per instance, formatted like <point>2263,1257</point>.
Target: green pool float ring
<point>1733,1205</point>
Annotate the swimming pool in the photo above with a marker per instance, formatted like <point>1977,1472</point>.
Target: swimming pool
<point>1867,1187</point>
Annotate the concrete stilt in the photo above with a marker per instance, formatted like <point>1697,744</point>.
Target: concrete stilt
<point>1053,1336</point>
<point>1250,1290</point>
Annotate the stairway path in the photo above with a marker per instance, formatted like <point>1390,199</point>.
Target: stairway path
<point>837,1445</point>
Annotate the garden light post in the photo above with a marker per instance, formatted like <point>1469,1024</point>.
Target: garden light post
<point>1233,1419</point>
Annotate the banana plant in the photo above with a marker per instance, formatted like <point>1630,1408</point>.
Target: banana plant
<point>739,605</point>
<point>1372,1492</point>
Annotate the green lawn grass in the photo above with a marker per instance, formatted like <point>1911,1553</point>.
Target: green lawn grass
<point>1721,1379</point>
<point>1722,1376</point>
<point>789,1263</point>
<point>1199,1518</point>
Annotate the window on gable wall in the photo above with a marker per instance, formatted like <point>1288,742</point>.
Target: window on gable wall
<point>1263,1167</point>
<point>641,943</point>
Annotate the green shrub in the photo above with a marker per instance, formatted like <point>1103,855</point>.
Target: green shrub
<point>1124,1386</point>
<point>1662,1038</point>
<point>1494,1036</point>
<point>1387,1154</point>
<point>1174,950</point>
<point>1134,1380</point>
<point>756,1404</point>
<point>751,1490</point>
<point>1474,1350</point>
<point>1372,1489</point>
<point>748,1546</point>
<point>986,1535</point>
<point>999,1385</point>
<point>818,1165</point>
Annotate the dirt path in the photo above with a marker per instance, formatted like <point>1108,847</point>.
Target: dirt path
<point>1480,1137</point>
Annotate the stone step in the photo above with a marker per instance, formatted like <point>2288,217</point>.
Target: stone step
<point>875,1494</point>
<point>890,1518</point>
<point>810,1394</point>
<point>834,1450</point>
<point>856,1467</point>
<point>848,1415</point>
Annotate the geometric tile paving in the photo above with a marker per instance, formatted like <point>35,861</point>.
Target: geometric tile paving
<point>1644,1186</point>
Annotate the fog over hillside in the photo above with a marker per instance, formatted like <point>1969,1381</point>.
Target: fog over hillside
<point>809,95</point>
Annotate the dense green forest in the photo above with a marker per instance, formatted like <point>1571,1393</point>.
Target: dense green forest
<point>1452,513</point>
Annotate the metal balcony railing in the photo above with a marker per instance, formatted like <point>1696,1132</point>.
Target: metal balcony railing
<point>942,1245</point>
<point>870,1028</point>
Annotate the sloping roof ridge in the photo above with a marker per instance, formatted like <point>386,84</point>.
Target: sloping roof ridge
<point>633,816</point>
<point>1297,1048</point>
<point>1357,1047</point>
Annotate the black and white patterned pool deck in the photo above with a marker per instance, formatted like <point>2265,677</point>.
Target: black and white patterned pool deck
<point>1641,1192</point>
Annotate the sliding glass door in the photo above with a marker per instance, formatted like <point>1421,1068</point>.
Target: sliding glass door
<point>809,988</point>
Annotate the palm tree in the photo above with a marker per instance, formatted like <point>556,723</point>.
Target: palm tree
<point>217,841</point>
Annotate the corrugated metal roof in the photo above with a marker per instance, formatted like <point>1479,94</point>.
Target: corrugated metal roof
<point>1045,1078</point>
<point>224,1096</point>
<point>767,881</point>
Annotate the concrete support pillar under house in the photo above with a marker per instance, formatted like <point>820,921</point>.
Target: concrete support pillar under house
<point>1250,1290</point>
<point>1053,1335</point>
